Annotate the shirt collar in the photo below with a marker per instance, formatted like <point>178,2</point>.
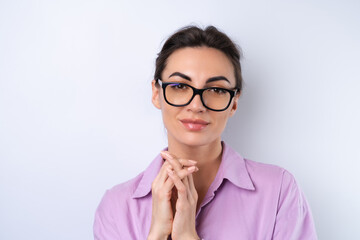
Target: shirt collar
<point>150,173</point>
<point>232,168</point>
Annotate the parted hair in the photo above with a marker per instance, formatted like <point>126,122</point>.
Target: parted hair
<point>193,36</point>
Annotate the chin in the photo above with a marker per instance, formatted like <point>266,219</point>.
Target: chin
<point>195,139</point>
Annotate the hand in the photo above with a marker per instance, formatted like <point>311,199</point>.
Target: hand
<point>184,220</point>
<point>162,213</point>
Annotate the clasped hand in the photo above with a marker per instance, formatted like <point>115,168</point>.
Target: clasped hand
<point>174,200</point>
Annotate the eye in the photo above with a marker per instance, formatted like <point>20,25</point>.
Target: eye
<point>218,91</point>
<point>178,86</point>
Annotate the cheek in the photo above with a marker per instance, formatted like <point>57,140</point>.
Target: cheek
<point>221,120</point>
<point>169,114</point>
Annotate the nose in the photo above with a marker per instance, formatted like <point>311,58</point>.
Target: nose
<point>196,104</point>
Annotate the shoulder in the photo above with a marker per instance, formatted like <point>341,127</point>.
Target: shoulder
<point>253,175</point>
<point>266,171</point>
<point>293,217</point>
<point>122,192</point>
<point>112,211</point>
<point>124,205</point>
<point>276,182</point>
<point>270,177</point>
<point>276,191</point>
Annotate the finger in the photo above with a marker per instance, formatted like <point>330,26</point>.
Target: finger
<point>186,184</point>
<point>192,189</point>
<point>162,175</point>
<point>184,178</point>
<point>185,171</point>
<point>192,186</point>
<point>169,184</point>
<point>172,160</point>
<point>187,162</point>
<point>188,189</point>
<point>182,192</point>
<point>191,183</point>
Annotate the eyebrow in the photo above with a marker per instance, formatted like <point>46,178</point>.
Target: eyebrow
<point>212,79</point>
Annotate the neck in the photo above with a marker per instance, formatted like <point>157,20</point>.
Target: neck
<point>206,155</point>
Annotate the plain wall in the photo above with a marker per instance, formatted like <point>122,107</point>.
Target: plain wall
<point>76,116</point>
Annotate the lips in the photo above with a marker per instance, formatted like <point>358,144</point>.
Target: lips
<point>194,124</point>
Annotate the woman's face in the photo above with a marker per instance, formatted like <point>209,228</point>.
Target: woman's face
<point>195,66</point>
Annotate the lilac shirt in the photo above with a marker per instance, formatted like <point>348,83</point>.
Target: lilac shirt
<point>247,200</point>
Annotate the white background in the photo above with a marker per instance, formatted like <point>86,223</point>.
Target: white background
<point>76,116</point>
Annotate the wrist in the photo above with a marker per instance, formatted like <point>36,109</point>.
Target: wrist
<point>153,236</point>
<point>157,238</point>
<point>157,233</point>
<point>192,238</point>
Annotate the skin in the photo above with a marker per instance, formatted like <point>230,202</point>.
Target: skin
<point>179,188</point>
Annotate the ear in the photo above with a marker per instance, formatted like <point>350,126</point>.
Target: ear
<point>235,104</point>
<point>155,94</point>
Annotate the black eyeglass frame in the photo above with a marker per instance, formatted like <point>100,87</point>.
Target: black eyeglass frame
<point>197,91</point>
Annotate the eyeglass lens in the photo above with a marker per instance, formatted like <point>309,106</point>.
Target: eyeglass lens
<point>181,94</point>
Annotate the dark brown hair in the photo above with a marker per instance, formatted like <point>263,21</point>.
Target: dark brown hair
<point>192,36</point>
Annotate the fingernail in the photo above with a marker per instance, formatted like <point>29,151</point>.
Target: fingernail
<point>197,169</point>
<point>193,162</point>
<point>166,154</point>
<point>192,169</point>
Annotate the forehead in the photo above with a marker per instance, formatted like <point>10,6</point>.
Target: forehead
<point>199,63</point>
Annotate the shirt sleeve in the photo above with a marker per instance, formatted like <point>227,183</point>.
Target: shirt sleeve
<point>104,224</point>
<point>294,219</point>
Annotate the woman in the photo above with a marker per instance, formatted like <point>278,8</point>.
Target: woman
<point>199,188</point>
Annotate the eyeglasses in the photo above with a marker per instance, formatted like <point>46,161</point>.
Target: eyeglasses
<point>181,94</point>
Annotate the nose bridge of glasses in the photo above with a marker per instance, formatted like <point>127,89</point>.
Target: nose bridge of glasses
<point>197,91</point>
<point>197,97</point>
